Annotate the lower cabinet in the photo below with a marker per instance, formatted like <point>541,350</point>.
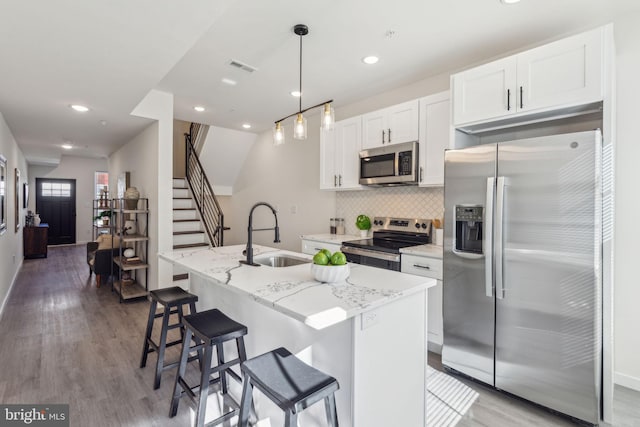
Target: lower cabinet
<point>429,267</point>
<point>35,240</point>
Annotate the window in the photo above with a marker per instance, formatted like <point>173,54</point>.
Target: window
<point>56,189</point>
<point>101,183</point>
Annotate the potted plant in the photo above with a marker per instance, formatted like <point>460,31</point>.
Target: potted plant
<point>104,216</point>
<point>364,224</point>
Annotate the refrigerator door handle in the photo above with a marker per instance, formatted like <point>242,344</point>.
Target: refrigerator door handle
<point>488,235</point>
<point>499,236</point>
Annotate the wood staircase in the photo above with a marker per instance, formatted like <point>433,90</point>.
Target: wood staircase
<point>188,231</point>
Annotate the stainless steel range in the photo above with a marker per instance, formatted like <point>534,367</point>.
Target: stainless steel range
<point>389,236</point>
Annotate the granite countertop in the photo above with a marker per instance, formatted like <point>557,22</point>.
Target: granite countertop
<point>293,290</point>
<point>330,238</point>
<point>431,251</point>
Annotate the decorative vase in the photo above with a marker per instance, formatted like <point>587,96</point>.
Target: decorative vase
<point>131,197</point>
<point>36,220</point>
<point>364,233</point>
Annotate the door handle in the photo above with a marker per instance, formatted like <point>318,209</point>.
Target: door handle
<point>488,235</point>
<point>499,237</point>
<point>339,180</point>
<point>508,99</point>
<point>421,169</point>
<point>389,134</point>
<point>521,106</point>
<point>383,136</point>
<point>335,181</point>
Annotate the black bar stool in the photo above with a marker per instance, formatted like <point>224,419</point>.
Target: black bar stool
<point>209,328</point>
<point>172,299</point>
<point>289,383</point>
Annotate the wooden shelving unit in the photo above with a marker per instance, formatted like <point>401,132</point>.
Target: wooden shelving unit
<point>132,281</point>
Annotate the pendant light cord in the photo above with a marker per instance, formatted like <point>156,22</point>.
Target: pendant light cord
<point>300,90</point>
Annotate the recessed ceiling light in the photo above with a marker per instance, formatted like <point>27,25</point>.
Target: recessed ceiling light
<point>370,59</point>
<point>103,122</point>
<point>199,109</point>
<point>67,146</point>
<point>80,108</point>
<point>229,82</point>
<point>296,93</point>
<point>509,1</point>
<point>246,126</point>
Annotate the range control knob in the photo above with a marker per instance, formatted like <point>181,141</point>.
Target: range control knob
<point>376,222</point>
<point>424,226</point>
<point>417,225</point>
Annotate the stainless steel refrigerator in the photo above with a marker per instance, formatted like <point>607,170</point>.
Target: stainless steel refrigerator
<point>522,269</point>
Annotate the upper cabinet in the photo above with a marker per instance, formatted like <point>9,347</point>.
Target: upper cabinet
<point>434,138</point>
<point>560,74</point>
<point>339,161</point>
<point>391,125</point>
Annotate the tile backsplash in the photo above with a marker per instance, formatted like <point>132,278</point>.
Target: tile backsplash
<point>403,202</point>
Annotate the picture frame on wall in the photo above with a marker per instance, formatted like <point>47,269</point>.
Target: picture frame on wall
<point>25,195</point>
<point>3,194</point>
<point>17,204</point>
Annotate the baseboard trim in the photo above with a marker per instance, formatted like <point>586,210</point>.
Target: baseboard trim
<point>13,282</point>
<point>627,381</point>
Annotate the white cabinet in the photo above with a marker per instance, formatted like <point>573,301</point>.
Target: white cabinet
<point>395,124</point>
<point>564,73</point>
<point>339,161</point>
<point>312,247</point>
<point>434,138</point>
<point>428,267</point>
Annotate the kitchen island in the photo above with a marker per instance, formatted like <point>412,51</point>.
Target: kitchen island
<point>368,331</point>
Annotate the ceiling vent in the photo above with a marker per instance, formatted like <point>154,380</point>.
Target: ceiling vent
<point>246,67</point>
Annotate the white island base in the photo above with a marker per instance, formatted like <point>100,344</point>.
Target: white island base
<point>378,355</point>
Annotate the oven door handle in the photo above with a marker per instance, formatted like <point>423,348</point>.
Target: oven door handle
<point>371,254</point>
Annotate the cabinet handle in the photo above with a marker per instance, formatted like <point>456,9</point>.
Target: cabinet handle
<point>339,180</point>
<point>335,181</point>
<point>420,173</point>
<point>508,99</point>
<point>389,133</point>
<point>521,106</point>
<point>383,136</point>
<point>426,267</point>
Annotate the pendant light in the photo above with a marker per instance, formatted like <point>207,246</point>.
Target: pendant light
<point>300,122</point>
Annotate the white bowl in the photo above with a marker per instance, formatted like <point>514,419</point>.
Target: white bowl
<point>330,273</point>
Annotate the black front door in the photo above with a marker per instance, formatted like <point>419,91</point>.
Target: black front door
<point>56,204</point>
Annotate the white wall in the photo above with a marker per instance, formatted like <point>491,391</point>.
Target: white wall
<point>138,158</point>
<point>287,177</point>
<point>627,233</point>
<point>83,171</point>
<point>11,241</point>
<point>224,152</point>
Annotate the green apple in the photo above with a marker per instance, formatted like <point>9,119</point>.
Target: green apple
<point>338,258</point>
<point>327,252</point>
<point>321,258</point>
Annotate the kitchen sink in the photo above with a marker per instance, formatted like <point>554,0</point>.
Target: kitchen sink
<point>280,260</point>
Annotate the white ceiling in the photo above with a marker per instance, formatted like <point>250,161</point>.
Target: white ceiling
<point>108,55</point>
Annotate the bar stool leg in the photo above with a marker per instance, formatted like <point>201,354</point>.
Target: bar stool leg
<point>291,419</point>
<point>145,346</point>
<point>246,402</point>
<point>162,347</point>
<point>180,316</point>
<point>330,407</point>
<point>205,373</point>
<point>223,373</point>
<point>192,310</point>
<point>182,367</point>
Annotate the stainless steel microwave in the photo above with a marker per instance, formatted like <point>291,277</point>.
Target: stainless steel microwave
<point>395,164</point>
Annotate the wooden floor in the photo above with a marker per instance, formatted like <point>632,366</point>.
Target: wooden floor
<point>65,341</point>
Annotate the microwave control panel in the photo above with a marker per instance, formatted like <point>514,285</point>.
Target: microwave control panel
<point>405,163</point>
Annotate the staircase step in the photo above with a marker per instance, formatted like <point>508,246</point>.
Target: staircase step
<point>184,209</point>
<point>180,276</point>
<point>191,245</point>
<point>178,233</point>
<point>187,220</point>
<point>188,238</point>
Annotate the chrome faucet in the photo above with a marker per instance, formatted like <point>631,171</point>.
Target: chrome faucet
<point>250,230</point>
